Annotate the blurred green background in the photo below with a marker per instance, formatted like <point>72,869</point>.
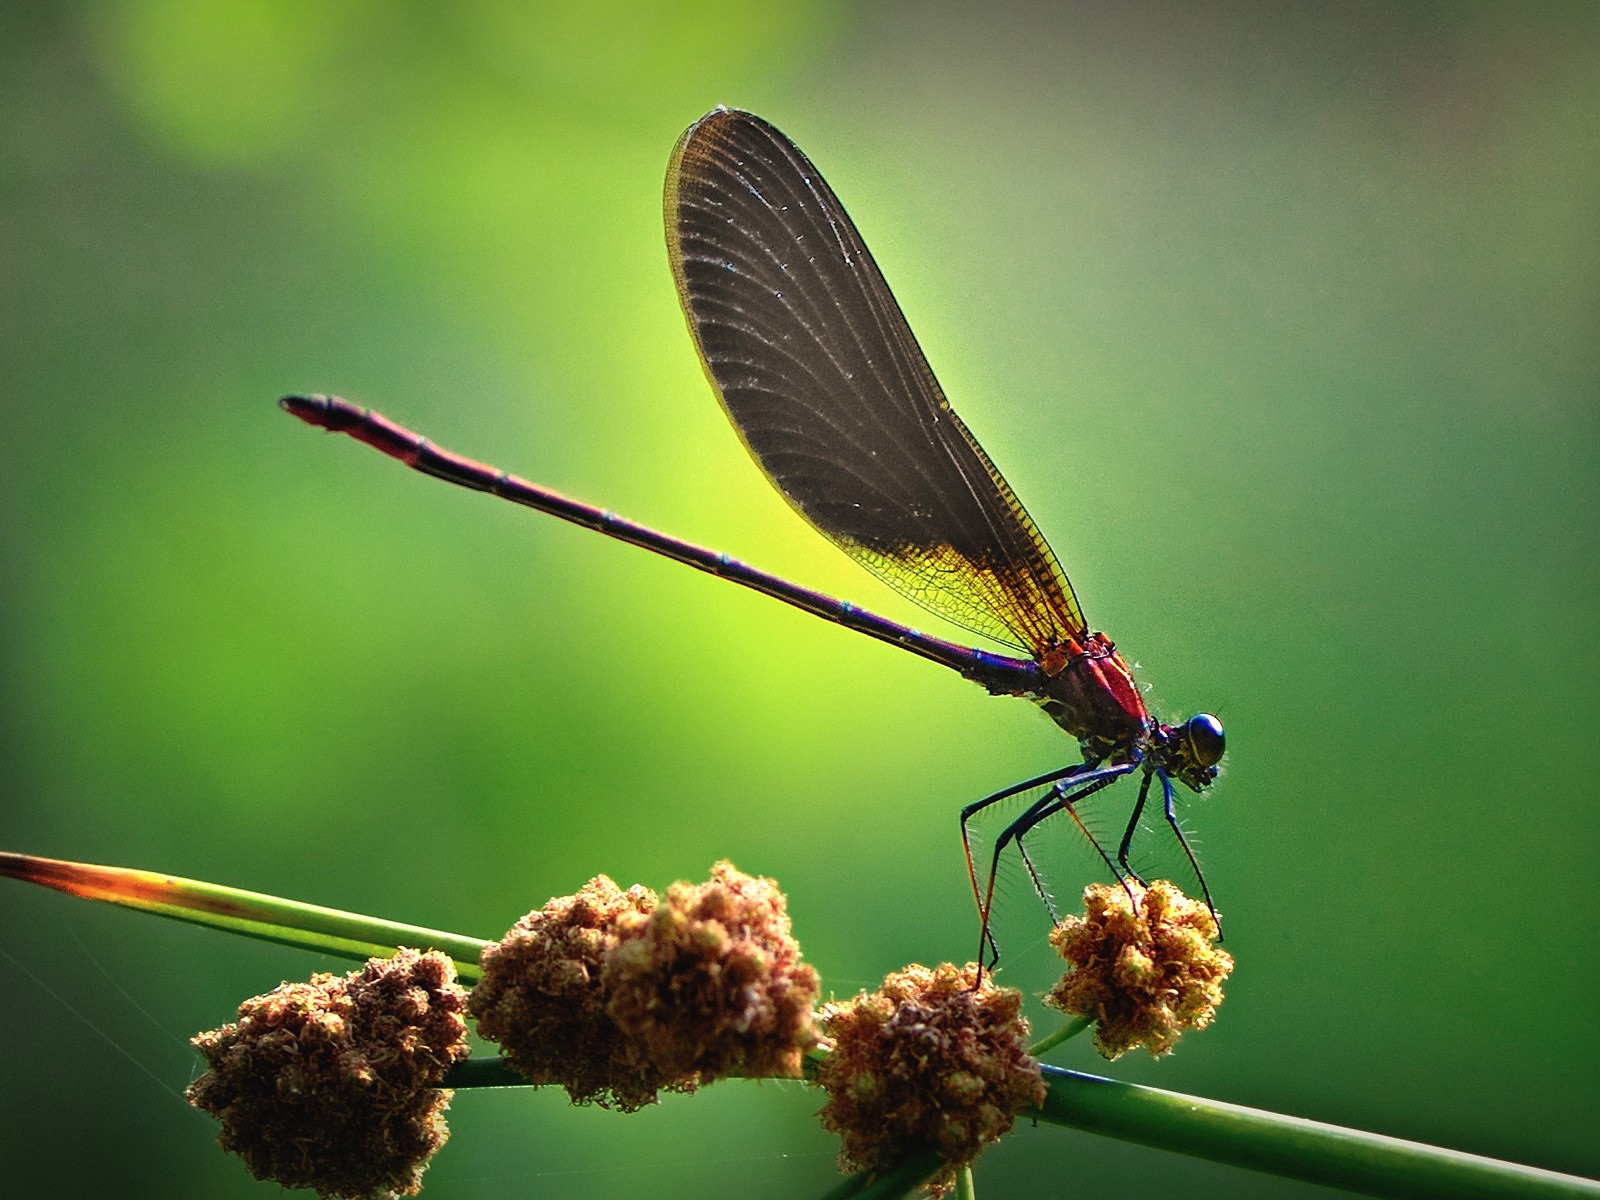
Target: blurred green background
<point>1282,320</point>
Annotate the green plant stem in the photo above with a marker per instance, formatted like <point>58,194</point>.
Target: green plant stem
<point>1050,1041</point>
<point>1227,1133</point>
<point>250,914</point>
<point>848,1188</point>
<point>903,1180</point>
<point>484,1072</point>
<point>1290,1146</point>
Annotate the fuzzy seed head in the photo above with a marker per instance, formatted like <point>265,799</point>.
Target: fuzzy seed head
<point>935,1059</point>
<point>542,998</point>
<point>1146,972</point>
<point>710,983</point>
<point>331,1084</point>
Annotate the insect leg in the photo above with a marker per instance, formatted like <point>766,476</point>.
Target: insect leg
<point>1194,864</point>
<point>978,806</point>
<point>1071,785</point>
<point>1133,823</point>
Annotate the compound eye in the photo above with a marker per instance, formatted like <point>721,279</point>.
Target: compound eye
<point>1206,742</point>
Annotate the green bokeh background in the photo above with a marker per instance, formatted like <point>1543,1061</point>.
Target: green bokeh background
<point>1282,319</point>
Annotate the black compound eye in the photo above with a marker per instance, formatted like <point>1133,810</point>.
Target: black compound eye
<point>1206,741</point>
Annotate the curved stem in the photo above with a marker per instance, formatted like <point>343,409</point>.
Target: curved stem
<point>1051,1040</point>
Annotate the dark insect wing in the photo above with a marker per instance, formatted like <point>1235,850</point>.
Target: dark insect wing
<point>822,377</point>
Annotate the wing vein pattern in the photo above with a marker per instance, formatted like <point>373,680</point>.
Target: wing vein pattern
<point>824,381</point>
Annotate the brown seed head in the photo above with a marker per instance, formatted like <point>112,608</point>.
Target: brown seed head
<point>1144,973</point>
<point>331,1084</point>
<point>711,984</point>
<point>926,1062</point>
<point>543,1001</point>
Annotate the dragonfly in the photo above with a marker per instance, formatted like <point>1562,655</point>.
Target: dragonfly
<point>824,382</point>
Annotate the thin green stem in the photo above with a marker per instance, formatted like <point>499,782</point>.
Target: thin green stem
<point>484,1072</point>
<point>1290,1146</point>
<point>250,914</point>
<point>905,1179</point>
<point>848,1188</point>
<point>1050,1041</point>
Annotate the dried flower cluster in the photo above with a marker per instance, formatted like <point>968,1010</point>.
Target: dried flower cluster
<point>541,998</point>
<point>331,1084</point>
<point>1145,967</point>
<point>711,984</point>
<point>935,1059</point>
<point>618,995</point>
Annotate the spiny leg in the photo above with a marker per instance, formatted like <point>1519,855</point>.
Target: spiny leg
<point>1127,839</point>
<point>986,946</point>
<point>1065,799</point>
<point>1194,863</point>
<point>1037,880</point>
<point>1061,802</point>
<point>1062,798</point>
<point>986,904</point>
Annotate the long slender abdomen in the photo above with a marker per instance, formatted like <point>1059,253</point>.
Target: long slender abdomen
<point>996,672</point>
